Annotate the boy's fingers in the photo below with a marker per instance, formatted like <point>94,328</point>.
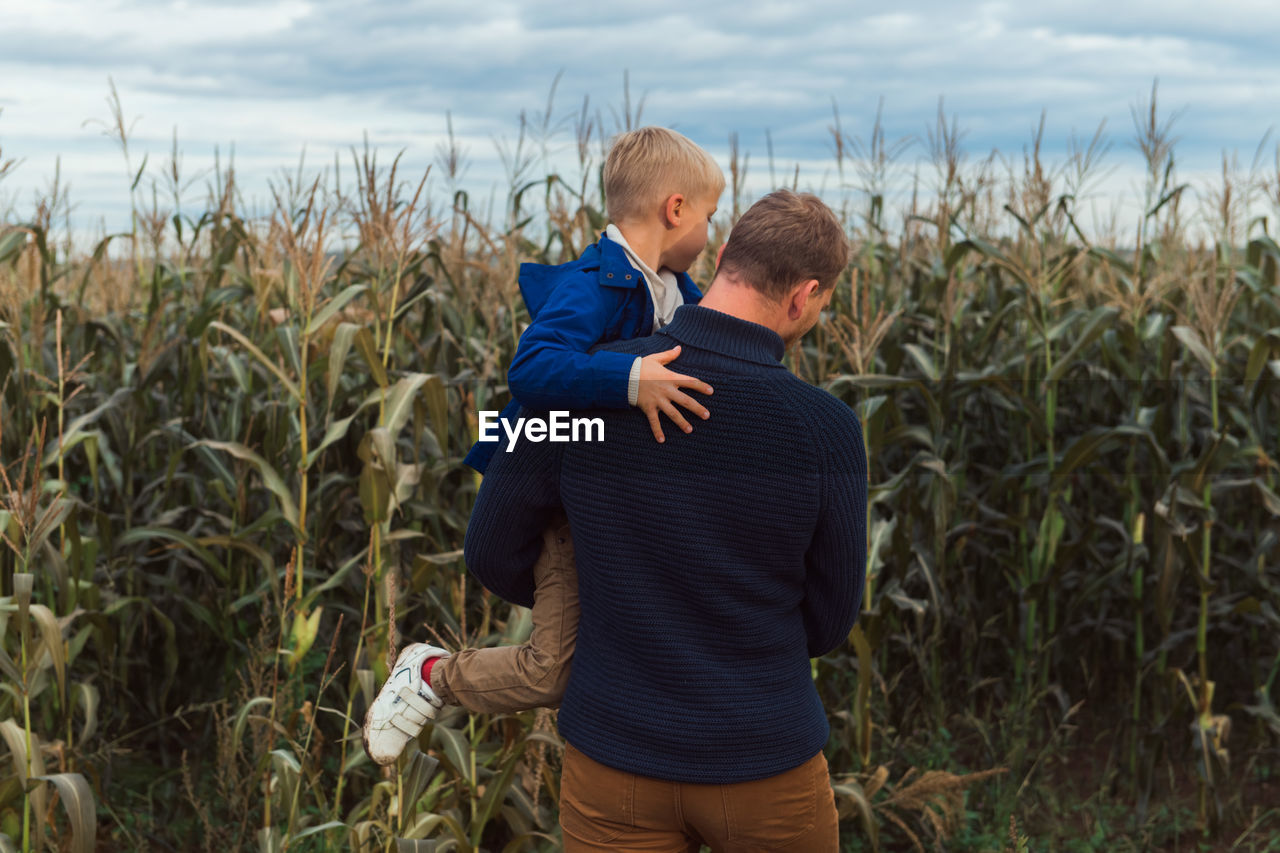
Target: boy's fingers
<point>684,381</point>
<point>666,355</point>
<point>691,404</point>
<point>696,384</point>
<point>654,425</point>
<point>674,414</point>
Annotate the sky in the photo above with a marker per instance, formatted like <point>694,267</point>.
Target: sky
<point>270,78</point>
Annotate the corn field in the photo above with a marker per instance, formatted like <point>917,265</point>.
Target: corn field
<point>231,487</point>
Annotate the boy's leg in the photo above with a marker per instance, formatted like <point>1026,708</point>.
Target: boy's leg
<point>533,675</point>
<point>508,678</point>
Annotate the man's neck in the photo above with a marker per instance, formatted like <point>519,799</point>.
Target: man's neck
<point>745,303</point>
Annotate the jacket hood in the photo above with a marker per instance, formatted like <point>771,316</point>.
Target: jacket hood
<point>538,280</point>
<point>608,259</point>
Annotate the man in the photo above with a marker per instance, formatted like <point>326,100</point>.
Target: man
<point>710,567</point>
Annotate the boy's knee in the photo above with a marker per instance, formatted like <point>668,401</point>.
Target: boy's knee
<point>559,680</point>
<point>549,676</point>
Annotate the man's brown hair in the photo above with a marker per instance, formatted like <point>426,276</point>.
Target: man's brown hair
<point>647,165</point>
<point>784,239</point>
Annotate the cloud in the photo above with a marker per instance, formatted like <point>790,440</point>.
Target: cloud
<point>275,75</point>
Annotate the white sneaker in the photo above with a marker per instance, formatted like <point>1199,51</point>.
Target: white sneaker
<point>403,706</point>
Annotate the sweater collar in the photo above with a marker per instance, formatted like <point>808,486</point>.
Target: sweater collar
<point>717,331</point>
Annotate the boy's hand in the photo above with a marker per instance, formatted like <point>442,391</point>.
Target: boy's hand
<point>660,389</point>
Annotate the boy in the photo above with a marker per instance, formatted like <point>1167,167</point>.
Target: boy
<point>661,191</point>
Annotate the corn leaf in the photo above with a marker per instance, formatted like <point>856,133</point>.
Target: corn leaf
<point>1269,498</point>
<point>50,519</point>
<point>334,432</point>
<point>1098,321</point>
<point>852,793</point>
<point>438,407</point>
<point>270,840</point>
<point>316,830</point>
<point>418,772</point>
<point>338,349</point>
<point>923,361</point>
<point>270,365</point>
<point>90,698</point>
<point>77,796</point>
<point>51,640</point>
<point>399,405</point>
<point>237,730</point>
<point>333,306</point>
<point>15,737</point>
<point>270,478</point>
<point>455,748</point>
<point>289,772</point>
<point>12,243</point>
<point>190,543</point>
<point>1191,339</point>
<point>495,791</point>
<point>74,432</point>
<point>369,349</point>
<point>8,667</point>
<point>253,550</point>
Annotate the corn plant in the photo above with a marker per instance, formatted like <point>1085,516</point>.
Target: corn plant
<point>233,489</point>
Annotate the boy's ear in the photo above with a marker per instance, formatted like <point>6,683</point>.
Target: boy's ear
<point>673,210</point>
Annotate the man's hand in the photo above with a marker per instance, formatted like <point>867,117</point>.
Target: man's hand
<point>660,390</point>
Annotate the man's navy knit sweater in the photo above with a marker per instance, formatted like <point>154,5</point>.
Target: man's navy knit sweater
<point>710,567</point>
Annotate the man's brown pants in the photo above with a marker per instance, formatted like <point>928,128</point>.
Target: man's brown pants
<point>606,809</point>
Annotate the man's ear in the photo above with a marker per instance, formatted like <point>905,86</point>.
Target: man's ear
<point>720,254</point>
<point>673,210</point>
<point>800,297</point>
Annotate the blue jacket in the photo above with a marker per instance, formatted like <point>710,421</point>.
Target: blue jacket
<point>597,299</point>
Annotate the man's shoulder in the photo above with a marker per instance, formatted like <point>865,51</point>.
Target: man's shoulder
<point>647,345</point>
<point>823,411</point>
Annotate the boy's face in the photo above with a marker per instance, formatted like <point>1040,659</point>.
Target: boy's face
<point>687,239</point>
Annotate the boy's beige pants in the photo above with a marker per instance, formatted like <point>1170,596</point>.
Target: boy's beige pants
<point>534,675</point>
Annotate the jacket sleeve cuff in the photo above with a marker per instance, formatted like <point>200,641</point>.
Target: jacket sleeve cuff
<point>633,383</point>
<point>613,378</point>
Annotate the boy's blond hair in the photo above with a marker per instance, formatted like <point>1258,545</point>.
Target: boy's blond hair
<point>647,165</point>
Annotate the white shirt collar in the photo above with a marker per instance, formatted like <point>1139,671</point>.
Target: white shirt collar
<point>663,287</point>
